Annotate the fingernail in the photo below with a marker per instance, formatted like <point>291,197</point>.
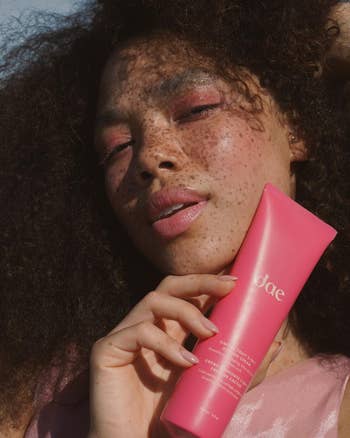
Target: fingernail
<point>189,356</point>
<point>228,278</point>
<point>209,325</point>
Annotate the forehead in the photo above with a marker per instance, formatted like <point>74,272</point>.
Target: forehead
<point>155,66</point>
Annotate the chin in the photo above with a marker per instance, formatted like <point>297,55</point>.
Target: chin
<point>183,262</point>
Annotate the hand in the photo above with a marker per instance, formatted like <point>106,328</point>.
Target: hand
<point>134,368</point>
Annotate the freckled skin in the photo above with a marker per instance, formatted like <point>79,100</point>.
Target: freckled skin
<point>226,154</point>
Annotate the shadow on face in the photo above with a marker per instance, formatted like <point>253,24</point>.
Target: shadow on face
<point>187,152</point>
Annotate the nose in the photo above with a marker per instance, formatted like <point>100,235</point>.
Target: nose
<point>160,154</point>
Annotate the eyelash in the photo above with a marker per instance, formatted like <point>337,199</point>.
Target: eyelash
<point>105,160</point>
<point>195,113</point>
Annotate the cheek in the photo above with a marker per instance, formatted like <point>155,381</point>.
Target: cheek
<point>116,175</point>
<point>121,194</point>
<point>120,197</point>
<point>228,148</point>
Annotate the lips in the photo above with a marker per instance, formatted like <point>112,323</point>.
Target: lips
<point>172,211</point>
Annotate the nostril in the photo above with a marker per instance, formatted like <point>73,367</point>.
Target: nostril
<point>146,175</point>
<point>166,165</point>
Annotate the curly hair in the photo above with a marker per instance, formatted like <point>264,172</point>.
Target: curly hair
<point>66,266</point>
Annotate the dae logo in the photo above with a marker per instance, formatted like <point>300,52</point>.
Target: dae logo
<point>269,287</point>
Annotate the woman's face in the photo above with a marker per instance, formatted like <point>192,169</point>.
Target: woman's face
<point>185,157</point>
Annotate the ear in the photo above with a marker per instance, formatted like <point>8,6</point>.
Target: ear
<point>297,148</point>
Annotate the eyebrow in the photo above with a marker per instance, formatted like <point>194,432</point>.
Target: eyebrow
<point>197,76</point>
<point>166,88</point>
<point>108,117</point>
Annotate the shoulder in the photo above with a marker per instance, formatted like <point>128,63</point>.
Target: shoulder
<point>344,414</point>
<point>66,415</point>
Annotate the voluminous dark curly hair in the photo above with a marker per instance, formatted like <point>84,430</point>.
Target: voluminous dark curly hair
<point>65,264</point>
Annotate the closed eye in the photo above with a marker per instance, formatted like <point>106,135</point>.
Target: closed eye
<point>106,160</point>
<point>197,112</point>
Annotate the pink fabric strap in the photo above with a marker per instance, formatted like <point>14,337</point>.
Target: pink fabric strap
<point>302,401</point>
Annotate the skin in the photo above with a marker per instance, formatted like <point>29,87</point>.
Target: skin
<point>290,354</point>
<point>228,153</point>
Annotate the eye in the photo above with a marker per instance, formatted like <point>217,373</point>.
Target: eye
<point>106,160</point>
<point>197,112</point>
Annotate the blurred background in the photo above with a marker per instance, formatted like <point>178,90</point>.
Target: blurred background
<point>15,8</point>
<point>18,19</point>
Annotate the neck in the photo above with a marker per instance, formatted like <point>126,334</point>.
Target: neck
<point>291,352</point>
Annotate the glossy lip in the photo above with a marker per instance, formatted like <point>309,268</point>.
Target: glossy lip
<point>179,222</point>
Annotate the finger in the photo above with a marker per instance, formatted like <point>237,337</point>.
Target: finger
<point>157,306</point>
<point>180,287</point>
<point>203,302</point>
<point>193,285</point>
<point>122,348</point>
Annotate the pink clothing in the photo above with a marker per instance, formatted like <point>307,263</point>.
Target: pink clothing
<point>66,415</point>
<point>302,401</point>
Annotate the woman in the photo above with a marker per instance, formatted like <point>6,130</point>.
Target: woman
<point>191,122</point>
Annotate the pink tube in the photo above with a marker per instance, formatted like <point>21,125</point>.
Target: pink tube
<point>282,246</point>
